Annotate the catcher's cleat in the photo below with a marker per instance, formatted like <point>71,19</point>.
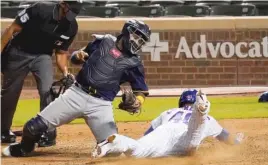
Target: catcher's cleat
<point>202,104</point>
<point>46,143</point>
<point>103,148</point>
<point>8,137</point>
<point>13,150</point>
<point>47,139</point>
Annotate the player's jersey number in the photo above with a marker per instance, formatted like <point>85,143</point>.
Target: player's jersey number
<point>181,116</point>
<point>24,17</point>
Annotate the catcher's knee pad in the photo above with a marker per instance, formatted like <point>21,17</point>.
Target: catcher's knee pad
<point>34,128</point>
<point>32,132</point>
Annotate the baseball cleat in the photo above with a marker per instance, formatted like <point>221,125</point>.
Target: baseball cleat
<point>47,139</point>
<point>202,103</point>
<point>6,152</point>
<point>8,137</point>
<point>103,148</point>
<point>13,150</point>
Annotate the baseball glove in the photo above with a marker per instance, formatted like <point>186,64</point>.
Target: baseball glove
<point>129,103</point>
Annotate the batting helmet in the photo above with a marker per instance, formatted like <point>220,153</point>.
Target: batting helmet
<point>263,97</point>
<point>188,96</point>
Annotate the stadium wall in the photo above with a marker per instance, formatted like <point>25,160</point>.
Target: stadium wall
<point>205,51</point>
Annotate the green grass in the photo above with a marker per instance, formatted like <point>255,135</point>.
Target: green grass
<point>221,108</point>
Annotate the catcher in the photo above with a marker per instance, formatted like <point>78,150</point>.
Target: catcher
<point>107,62</point>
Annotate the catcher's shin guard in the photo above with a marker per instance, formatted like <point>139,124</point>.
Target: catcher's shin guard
<point>48,139</point>
<point>32,132</point>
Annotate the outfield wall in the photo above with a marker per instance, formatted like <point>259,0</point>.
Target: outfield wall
<point>207,51</point>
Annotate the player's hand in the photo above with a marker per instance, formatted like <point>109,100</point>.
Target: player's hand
<point>70,75</point>
<point>68,79</point>
<point>81,55</point>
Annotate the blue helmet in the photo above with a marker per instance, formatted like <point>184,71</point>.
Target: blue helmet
<point>264,97</point>
<point>135,34</point>
<point>188,96</point>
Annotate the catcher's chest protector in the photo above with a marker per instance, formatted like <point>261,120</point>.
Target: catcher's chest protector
<point>106,65</point>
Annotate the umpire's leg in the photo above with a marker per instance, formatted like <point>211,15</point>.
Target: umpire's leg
<point>42,69</point>
<point>11,90</point>
<point>17,68</point>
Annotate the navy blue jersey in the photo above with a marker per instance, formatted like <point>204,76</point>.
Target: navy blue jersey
<point>133,75</point>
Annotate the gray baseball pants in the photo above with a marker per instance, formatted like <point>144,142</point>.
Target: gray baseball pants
<point>75,103</point>
<point>19,64</point>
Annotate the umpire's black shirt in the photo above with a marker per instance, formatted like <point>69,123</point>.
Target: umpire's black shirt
<point>42,31</point>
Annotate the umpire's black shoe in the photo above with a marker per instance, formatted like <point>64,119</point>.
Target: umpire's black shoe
<point>13,150</point>
<point>8,137</point>
<point>48,139</point>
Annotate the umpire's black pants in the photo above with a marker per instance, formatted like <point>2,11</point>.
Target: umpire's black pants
<point>19,64</point>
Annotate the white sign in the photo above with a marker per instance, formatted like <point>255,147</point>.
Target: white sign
<point>225,49</point>
<point>199,49</point>
<point>155,47</point>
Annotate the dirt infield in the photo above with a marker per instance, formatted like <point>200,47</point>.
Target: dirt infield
<point>76,141</point>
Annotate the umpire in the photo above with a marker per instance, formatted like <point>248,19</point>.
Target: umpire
<point>27,46</point>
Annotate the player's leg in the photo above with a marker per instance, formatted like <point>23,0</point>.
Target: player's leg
<point>196,127</point>
<point>61,111</point>
<point>115,144</point>
<point>13,77</point>
<point>99,117</point>
<point>42,69</point>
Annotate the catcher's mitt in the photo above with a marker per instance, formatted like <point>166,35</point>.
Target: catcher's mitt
<point>129,102</point>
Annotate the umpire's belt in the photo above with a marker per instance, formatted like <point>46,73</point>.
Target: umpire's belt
<point>91,91</point>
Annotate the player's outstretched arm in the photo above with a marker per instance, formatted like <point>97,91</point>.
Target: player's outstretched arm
<point>231,139</point>
<point>135,76</point>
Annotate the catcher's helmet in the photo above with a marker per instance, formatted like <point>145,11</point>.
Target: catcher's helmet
<point>264,97</point>
<point>188,96</point>
<point>135,34</point>
<point>59,87</point>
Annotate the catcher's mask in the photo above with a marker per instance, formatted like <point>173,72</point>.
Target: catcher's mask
<point>59,87</point>
<point>135,34</point>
